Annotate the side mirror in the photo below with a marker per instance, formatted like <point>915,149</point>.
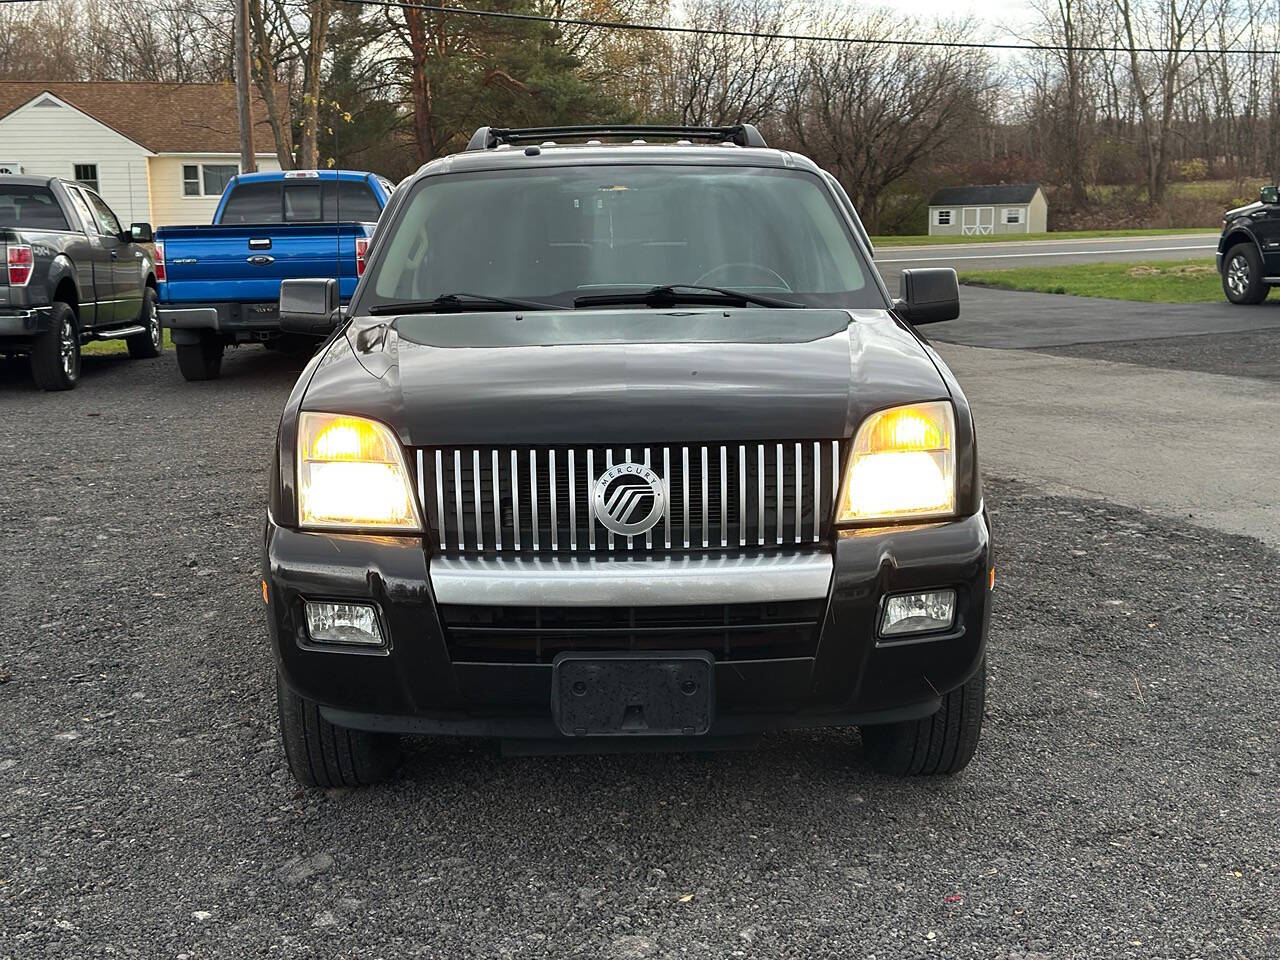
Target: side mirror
<point>309,306</point>
<point>928,295</point>
<point>141,233</point>
<point>1269,195</point>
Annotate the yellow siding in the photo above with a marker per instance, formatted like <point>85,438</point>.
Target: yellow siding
<point>169,207</point>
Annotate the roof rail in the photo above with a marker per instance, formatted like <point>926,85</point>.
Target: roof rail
<point>743,134</point>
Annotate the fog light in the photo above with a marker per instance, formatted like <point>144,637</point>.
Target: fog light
<point>348,623</point>
<point>926,612</point>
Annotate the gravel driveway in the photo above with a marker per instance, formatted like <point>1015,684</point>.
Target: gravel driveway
<point>1124,803</point>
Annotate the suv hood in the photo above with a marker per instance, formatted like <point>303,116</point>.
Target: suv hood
<point>619,376</point>
<point>1241,211</point>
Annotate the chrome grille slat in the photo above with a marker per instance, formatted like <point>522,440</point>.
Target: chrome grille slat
<point>457,495</point>
<point>440,522</point>
<point>475,487</point>
<point>497,504</point>
<point>770,494</point>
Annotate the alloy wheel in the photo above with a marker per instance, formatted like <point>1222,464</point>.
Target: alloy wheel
<point>1238,275</point>
<point>69,348</point>
<point>153,325</point>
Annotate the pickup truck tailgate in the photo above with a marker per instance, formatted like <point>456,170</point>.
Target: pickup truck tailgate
<point>246,263</point>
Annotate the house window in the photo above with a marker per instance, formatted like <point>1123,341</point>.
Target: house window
<point>207,179</point>
<point>944,218</point>
<point>87,173</point>
<point>1013,215</point>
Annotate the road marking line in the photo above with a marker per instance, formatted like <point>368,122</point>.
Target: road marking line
<point>1045,253</point>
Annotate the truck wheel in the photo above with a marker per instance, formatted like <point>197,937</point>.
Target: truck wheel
<point>322,755</point>
<point>150,343</point>
<point>942,743</point>
<point>1242,275</point>
<point>202,360</point>
<point>55,357</point>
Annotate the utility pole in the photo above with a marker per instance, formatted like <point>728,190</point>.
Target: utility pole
<point>248,158</point>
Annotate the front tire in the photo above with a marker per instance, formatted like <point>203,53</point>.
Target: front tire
<point>1242,275</point>
<point>55,357</point>
<point>143,346</point>
<point>323,755</point>
<point>940,744</point>
<point>201,360</point>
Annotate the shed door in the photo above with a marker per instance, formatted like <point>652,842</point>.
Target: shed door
<point>978,220</point>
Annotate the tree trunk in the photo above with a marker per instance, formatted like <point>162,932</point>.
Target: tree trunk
<point>281,129</point>
<point>244,110</point>
<point>313,65</point>
<point>418,83</point>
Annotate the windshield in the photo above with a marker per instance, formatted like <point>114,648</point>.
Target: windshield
<point>553,234</point>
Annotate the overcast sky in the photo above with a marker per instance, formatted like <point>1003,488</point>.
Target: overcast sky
<point>996,14</point>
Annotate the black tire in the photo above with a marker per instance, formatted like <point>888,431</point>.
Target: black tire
<point>1242,275</point>
<point>55,356</point>
<point>322,755</point>
<point>201,360</point>
<point>942,743</point>
<point>143,346</point>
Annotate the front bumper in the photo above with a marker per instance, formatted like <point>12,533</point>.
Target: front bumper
<point>25,323</point>
<point>415,686</point>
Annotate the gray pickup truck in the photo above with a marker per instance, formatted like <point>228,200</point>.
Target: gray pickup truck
<point>72,275</point>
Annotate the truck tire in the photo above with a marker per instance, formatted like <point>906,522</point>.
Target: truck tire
<point>55,356</point>
<point>149,344</point>
<point>1242,275</point>
<point>201,360</point>
<point>322,755</point>
<point>942,743</point>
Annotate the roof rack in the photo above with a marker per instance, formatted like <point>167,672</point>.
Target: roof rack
<point>743,134</point>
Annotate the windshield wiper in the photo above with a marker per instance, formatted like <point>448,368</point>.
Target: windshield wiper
<point>460,302</point>
<point>669,294</point>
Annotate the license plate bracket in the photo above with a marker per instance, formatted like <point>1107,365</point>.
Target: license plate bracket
<point>651,693</point>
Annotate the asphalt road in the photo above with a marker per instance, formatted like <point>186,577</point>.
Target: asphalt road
<point>1123,803</point>
<point>1026,253</point>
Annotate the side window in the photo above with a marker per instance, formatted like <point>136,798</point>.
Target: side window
<point>253,203</point>
<point>87,173</point>
<point>82,209</point>
<point>944,218</point>
<point>191,179</point>
<point>302,203</point>
<point>108,225</point>
<point>1013,215</point>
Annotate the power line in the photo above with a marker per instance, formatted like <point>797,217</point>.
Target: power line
<point>797,37</point>
<point>793,37</point>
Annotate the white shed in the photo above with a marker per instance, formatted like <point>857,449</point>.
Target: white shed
<point>992,209</point>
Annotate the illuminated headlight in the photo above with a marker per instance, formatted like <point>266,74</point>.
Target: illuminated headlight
<point>353,624</point>
<point>926,612</point>
<point>352,475</point>
<point>902,466</point>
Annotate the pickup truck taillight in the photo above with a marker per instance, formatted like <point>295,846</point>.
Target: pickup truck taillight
<point>22,264</point>
<point>159,262</point>
<point>362,250</point>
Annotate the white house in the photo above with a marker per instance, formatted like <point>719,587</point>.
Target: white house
<point>1000,208</point>
<point>157,152</point>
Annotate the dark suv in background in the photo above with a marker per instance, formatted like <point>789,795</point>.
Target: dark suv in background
<point>625,444</point>
<point>72,274</point>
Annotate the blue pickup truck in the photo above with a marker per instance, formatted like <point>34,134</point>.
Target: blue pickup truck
<point>219,284</point>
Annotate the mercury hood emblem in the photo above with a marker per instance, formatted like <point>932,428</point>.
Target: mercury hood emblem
<point>629,499</point>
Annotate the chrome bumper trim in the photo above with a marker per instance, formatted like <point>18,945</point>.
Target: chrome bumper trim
<point>638,582</point>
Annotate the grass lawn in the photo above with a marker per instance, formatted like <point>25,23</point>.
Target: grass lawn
<point>925,241</point>
<point>1168,281</point>
<point>105,348</point>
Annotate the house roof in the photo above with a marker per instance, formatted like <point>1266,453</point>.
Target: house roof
<point>984,195</point>
<point>163,117</point>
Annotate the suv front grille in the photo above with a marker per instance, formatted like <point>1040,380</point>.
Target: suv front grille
<point>740,631</point>
<point>539,500</point>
